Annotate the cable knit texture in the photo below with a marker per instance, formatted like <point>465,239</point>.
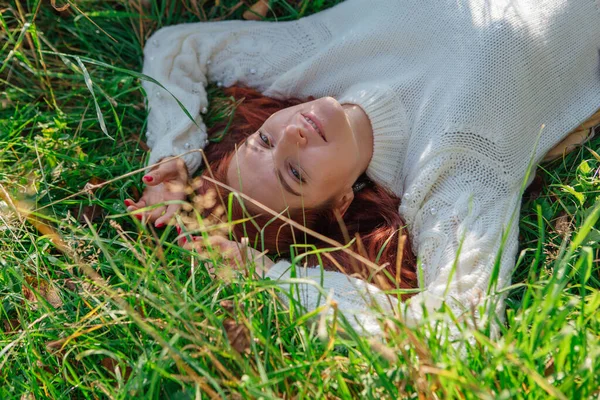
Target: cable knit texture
<point>462,96</point>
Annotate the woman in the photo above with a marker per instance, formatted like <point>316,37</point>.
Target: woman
<point>445,104</point>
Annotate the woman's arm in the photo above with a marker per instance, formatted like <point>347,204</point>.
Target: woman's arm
<point>361,303</point>
<point>462,206</point>
<point>181,60</point>
<point>184,58</point>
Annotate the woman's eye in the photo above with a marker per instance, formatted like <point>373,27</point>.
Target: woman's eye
<point>265,139</point>
<point>296,173</point>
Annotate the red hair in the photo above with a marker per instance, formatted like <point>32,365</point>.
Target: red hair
<point>372,219</point>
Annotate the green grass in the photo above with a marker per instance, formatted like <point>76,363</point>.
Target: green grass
<point>107,308</point>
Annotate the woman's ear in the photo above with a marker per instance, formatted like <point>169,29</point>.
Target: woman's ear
<point>344,202</point>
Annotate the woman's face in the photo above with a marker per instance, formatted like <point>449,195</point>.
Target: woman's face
<point>302,157</point>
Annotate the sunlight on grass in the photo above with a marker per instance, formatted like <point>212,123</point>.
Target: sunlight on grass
<point>96,305</point>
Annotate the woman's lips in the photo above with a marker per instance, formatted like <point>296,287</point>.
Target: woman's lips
<point>320,131</point>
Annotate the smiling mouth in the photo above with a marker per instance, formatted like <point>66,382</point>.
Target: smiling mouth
<point>312,122</point>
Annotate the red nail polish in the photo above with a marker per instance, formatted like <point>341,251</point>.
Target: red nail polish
<point>178,230</point>
<point>148,178</point>
<point>138,216</point>
<point>159,225</point>
<point>128,202</point>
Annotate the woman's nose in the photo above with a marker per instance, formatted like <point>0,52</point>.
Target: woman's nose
<point>296,134</point>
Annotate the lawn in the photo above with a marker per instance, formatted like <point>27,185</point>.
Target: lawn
<point>96,305</point>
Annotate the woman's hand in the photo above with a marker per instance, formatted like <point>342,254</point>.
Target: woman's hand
<point>166,182</point>
<point>236,255</point>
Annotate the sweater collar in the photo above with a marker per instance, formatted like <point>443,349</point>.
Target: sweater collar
<point>390,134</point>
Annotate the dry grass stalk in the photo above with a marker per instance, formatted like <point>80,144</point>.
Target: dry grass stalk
<point>399,254</point>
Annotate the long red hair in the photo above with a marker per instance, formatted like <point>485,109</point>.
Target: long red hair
<point>372,221</point>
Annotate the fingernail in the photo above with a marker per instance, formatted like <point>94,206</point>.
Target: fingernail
<point>161,225</point>
<point>148,178</point>
<point>128,202</point>
<point>138,216</point>
<point>178,230</point>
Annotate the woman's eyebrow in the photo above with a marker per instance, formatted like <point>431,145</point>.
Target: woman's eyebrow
<point>285,185</point>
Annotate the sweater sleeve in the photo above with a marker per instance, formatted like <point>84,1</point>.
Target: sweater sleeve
<point>462,206</point>
<point>361,303</point>
<point>184,58</point>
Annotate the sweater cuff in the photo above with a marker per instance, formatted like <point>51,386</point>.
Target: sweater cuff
<point>172,147</point>
<point>390,133</point>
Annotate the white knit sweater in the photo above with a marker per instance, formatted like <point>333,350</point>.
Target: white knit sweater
<point>457,93</point>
